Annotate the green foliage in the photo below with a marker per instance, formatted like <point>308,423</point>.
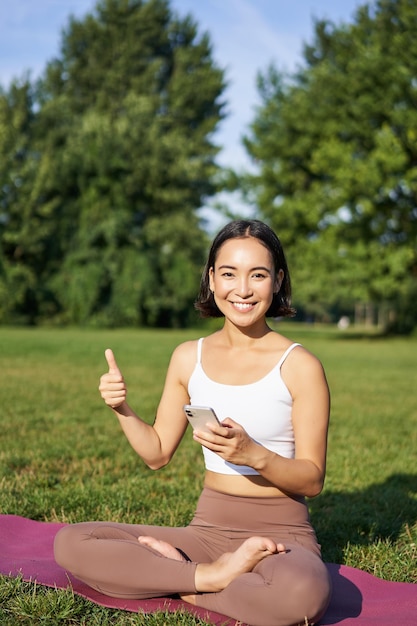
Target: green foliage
<point>22,223</point>
<point>116,159</point>
<point>337,154</point>
<point>64,458</point>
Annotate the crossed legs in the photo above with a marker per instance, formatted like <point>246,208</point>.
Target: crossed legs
<point>213,563</point>
<point>258,583</point>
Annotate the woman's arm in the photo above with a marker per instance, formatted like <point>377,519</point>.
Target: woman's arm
<point>303,475</point>
<point>155,444</point>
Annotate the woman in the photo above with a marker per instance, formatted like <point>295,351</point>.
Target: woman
<point>250,552</point>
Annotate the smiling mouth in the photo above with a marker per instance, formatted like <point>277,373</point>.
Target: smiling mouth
<point>243,306</point>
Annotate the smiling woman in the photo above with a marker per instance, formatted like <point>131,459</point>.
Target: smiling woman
<point>244,280</point>
<point>250,551</point>
<point>229,253</point>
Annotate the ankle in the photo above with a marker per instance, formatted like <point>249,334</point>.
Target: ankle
<point>206,578</point>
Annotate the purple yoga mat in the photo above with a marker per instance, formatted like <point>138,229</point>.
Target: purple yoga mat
<point>358,598</point>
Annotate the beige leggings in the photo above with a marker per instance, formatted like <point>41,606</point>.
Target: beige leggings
<point>282,590</point>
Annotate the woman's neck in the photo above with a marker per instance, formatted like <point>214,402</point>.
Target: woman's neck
<point>243,336</point>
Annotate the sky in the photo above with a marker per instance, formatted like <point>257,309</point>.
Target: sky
<point>247,35</point>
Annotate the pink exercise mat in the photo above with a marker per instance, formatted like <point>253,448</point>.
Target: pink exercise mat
<point>358,599</point>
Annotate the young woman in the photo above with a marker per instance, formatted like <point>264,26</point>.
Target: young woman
<point>250,551</point>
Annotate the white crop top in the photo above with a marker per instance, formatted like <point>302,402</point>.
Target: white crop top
<point>262,408</point>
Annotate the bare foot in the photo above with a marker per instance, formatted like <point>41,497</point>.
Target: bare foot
<point>164,548</point>
<point>212,577</point>
<point>215,576</point>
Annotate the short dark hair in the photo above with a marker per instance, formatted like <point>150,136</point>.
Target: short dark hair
<point>281,303</point>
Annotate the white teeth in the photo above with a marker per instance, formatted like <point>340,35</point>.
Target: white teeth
<point>243,306</point>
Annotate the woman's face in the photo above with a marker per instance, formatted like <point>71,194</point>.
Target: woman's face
<point>243,280</point>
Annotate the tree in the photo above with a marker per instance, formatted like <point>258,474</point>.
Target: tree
<point>337,153</point>
<point>23,247</point>
<point>124,119</point>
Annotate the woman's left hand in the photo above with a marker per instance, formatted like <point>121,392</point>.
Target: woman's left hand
<point>230,441</point>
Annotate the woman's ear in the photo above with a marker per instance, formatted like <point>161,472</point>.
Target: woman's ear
<point>211,279</point>
<point>278,281</point>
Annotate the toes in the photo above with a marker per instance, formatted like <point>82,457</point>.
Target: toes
<point>261,544</point>
<point>152,543</point>
<point>162,547</point>
<point>147,541</point>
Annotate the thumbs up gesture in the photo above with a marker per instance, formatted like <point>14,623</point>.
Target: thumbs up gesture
<point>112,385</point>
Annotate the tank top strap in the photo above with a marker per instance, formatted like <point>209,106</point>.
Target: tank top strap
<point>286,353</point>
<point>199,349</point>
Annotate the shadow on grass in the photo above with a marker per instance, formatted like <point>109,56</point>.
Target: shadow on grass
<point>361,518</point>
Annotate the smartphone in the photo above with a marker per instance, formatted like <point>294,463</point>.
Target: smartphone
<point>200,416</point>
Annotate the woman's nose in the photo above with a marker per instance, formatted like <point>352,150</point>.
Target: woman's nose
<point>244,289</point>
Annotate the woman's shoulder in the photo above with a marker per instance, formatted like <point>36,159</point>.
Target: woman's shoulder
<point>301,366</point>
<point>186,350</point>
<point>281,345</point>
<point>301,356</point>
<point>296,354</point>
<point>186,354</point>
<point>183,360</point>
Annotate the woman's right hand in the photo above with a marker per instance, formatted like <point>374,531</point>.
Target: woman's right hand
<point>112,385</point>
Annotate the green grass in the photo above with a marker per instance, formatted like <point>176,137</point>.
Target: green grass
<point>63,456</point>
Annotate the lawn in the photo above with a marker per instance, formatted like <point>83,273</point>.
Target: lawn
<point>63,456</point>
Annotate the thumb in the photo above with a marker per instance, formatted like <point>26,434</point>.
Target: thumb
<point>229,423</point>
<point>111,362</point>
